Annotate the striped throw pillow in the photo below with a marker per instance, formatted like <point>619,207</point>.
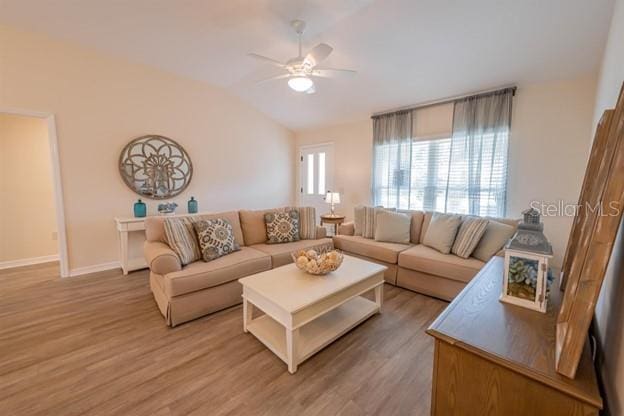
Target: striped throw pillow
<point>364,220</point>
<point>182,239</point>
<point>358,219</point>
<point>468,236</point>
<point>368,222</point>
<point>307,223</point>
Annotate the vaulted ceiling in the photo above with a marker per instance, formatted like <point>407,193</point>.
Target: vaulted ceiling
<point>405,51</point>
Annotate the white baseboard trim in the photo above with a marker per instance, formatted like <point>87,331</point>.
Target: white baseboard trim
<point>79,271</point>
<point>27,262</point>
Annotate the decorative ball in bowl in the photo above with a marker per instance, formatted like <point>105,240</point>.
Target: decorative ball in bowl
<point>313,262</point>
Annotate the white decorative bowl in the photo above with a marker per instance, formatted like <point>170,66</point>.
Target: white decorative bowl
<point>313,262</point>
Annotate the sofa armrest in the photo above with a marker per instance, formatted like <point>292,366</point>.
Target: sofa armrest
<point>161,259</point>
<point>321,232</point>
<point>347,228</point>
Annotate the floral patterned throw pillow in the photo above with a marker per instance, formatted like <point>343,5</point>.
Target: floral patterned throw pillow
<point>216,238</point>
<point>282,226</point>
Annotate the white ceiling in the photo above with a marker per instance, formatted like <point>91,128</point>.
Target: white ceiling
<point>405,51</point>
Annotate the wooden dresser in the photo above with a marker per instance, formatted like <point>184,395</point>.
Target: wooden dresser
<point>493,358</point>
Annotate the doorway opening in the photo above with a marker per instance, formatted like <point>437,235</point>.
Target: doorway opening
<point>32,222</point>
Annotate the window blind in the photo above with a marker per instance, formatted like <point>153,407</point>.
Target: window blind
<point>452,159</point>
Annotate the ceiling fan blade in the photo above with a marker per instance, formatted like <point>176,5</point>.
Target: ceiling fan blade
<point>318,54</point>
<point>273,78</point>
<point>332,72</point>
<point>266,59</point>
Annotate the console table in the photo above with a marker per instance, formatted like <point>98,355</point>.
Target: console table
<point>125,226</point>
<point>499,359</point>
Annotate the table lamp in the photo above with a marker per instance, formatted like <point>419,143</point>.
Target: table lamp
<point>332,198</point>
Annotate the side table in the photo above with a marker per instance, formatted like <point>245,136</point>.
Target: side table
<point>332,219</point>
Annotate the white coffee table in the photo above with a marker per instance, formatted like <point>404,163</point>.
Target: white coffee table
<point>304,313</point>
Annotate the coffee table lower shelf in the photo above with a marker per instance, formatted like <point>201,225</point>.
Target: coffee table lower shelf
<point>315,335</point>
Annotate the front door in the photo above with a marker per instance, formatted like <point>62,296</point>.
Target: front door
<point>317,168</point>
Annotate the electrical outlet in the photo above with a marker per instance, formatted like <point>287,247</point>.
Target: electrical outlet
<point>54,236</point>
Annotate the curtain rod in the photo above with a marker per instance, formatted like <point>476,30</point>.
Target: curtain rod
<point>444,100</point>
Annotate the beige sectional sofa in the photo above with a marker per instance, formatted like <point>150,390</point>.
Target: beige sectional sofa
<point>414,266</point>
<point>200,288</point>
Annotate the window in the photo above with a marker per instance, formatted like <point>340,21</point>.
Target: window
<point>310,184</point>
<point>429,184</point>
<point>449,157</point>
<point>421,185</point>
<point>321,173</point>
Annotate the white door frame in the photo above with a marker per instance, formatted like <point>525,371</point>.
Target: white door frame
<point>56,181</point>
<point>329,168</point>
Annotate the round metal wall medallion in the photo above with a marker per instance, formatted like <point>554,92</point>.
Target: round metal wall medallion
<point>155,167</point>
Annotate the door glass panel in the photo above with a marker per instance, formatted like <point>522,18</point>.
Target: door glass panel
<point>321,174</point>
<point>310,173</point>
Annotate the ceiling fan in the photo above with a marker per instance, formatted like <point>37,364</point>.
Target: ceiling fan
<point>301,69</point>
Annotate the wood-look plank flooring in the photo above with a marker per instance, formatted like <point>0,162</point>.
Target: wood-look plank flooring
<point>97,345</point>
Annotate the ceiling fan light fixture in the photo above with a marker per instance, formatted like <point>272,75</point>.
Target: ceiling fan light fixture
<point>300,84</point>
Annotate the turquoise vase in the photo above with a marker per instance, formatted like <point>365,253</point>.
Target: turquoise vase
<point>140,209</point>
<point>192,206</point>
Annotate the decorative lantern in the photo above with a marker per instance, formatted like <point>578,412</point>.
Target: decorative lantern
<point>526,264</point>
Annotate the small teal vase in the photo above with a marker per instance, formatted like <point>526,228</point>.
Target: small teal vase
<point>192,206</point>
<point>140,209</point>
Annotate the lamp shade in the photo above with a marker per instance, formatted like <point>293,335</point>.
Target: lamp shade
<point>332,198</point>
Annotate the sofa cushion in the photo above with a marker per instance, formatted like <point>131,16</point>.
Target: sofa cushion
<point>364,219</point>
<point>215,238</point>
<point>181,237</point>
<point>201,275</point>
<point>307,223</point>
<point>425,224</point>
<point>282,226</point>
<point>388,252</point>
<point>468,236</point>
<point>155,225</point>
<point>428,260</point>
<point>392,227</point>
<point>495,236</point>
<point>252,223</point>
<point>358,219</point>
<point>155,229</point>
<point>416,225</point>
<point>346,228</point>
<point>280,253</point>
<point>441,232</point>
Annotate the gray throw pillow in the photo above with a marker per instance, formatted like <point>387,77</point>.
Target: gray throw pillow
<point>441,232</point>
<point>392,227</point>
<point>495,236</point>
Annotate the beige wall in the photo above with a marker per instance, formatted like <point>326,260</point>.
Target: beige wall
<point>609,317</point>
<point>27,214</point>
<point>241,157</point>
<point>353,152</point>
<point>548,150</point>
<point>551,133</point>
